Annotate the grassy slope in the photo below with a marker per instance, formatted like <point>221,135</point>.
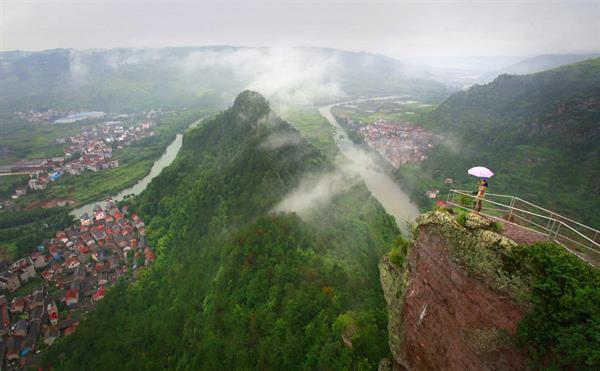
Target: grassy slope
<point>387,109</point>
<point>314,127</point>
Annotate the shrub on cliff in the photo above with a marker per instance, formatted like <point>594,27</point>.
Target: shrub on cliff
<point>398,253</point>
<point>562,331</point>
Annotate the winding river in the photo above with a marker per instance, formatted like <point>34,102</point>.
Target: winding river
<point>393,199</point>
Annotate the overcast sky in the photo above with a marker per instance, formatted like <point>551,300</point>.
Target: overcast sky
<point>395,28</point>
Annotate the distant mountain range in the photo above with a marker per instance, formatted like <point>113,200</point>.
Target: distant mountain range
<point>537,64</point>
<point>133,79</point>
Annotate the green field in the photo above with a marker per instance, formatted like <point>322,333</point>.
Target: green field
<point>314,127</point>
<point>27,140</point>
<point>390,109</point>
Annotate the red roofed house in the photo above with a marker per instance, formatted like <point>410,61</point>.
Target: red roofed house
<point>99,294</point>
<point>149,255</point>
<point>53,250</point>
<point>52,313</point>
<point>72,262</point>
<point>99,266</point>
<point>61,236</point>
<point>18,304</point>
<point>46,275</point>
<point>84,254</point>
<point>100,215</point>
<point>56,267</point>
<point>69,330</point>
<point>71,297</point>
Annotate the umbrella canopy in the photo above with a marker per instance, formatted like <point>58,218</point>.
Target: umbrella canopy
<point>481,172</point>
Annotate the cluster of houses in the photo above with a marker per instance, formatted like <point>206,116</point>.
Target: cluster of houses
<point>95,146</point>
<point>65,277</point>
<point>397,141</point>
<point>91,150</point>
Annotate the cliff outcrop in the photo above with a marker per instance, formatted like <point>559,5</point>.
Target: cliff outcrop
<point>450,304</point>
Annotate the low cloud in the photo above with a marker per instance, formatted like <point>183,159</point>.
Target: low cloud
<point>452,143</point>
<point>78,69</point>
<point>286,76</point>
<point>280,140</point>
<point>317,191</point>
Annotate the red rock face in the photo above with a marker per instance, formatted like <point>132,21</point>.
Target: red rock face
<point>452,321</point>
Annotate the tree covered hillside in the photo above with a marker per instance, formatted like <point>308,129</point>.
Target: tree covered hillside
<point>540,134</point>
<point>237,286</point>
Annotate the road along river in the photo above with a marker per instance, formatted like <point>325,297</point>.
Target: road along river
<point>393,199</point>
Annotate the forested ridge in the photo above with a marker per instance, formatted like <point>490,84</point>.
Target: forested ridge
<point>237,286</point>
<point>539,133</point>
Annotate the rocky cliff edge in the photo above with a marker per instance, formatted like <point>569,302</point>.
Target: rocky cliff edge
<point>451,305</point>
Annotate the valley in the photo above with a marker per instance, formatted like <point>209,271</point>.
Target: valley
<point>294,229</point>
<point>287,272</point>
<point>393,199</point>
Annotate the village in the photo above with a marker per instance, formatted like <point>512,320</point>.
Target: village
<point>48,292</point>
<point>91,150</point>
<point>398,142</point>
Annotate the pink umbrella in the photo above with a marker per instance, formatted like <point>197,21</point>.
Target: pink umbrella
<point>481,172</point>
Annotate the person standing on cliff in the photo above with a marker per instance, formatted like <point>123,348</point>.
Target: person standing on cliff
<point>482,187</point>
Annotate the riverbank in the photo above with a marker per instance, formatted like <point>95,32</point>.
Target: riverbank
<point>138,185</point>
<point>391,196</point>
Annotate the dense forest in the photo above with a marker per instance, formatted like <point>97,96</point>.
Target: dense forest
<point>539,133</point>
<point>236,285</point>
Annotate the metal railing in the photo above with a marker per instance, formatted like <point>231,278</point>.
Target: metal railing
<point>579,239</point>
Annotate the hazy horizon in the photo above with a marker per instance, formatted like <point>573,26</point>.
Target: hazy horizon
<point>433,29</point>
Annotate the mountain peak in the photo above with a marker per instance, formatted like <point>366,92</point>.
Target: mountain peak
<point>251,104</point>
